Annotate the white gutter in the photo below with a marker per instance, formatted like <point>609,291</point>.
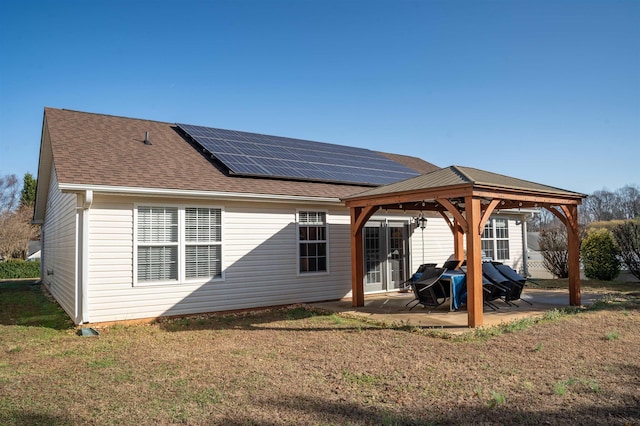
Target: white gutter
<point>165,192</point>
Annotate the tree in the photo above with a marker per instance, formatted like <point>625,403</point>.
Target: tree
<point>8,193</point>
<point>28,193</point>
<point>600,255</point>
<point>629,201</point>
<point>555,251</point>
<point>16,229</point>
<point>627,236</point>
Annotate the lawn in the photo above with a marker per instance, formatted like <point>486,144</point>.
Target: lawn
<point>298,366</point>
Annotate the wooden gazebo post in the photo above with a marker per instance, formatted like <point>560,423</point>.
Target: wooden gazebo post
<point>474,262</point>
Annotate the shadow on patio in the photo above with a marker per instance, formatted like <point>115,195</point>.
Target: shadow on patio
<point>391,308</point>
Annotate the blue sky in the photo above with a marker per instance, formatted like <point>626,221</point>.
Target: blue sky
<point>547,91</point>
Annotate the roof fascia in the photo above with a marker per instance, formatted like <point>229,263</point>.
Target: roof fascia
<point>165,192</point>
<point>409,196</point>
<point>45,161</point>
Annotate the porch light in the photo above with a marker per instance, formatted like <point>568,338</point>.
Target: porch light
<point>421,221</point>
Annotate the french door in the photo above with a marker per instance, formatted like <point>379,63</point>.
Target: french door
<point>385,255</point>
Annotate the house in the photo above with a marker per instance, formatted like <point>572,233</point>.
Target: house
<point>142,219</point>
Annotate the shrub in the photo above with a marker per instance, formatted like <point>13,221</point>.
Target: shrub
<point>555,252</point>
<point>19,269</point>
<point>627,236</point>
<point>600,255</point>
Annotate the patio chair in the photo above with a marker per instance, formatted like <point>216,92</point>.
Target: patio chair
<point>490,292</point>
<point>511,290</point>
<point>511,274</point>
<point>428,290</point>
<point>451,265</point>
<point>416,275</point>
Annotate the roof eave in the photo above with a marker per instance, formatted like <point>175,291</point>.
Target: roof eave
<point>180,193</point>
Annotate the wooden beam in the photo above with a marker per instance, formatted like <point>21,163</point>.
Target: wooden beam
<point>454,212</point>
<point>458,241</point>
<point>475,304</point>
<point>573,242</point>
<point>359,217</point>
<point>357,261</point>
<point>486,214</point>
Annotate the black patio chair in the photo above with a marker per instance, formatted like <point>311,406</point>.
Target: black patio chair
<point>428,290</point>
<point>510,290</point>
<point>416,275</point>
<point>490,291</point>
<point>511,274</point>
<point>451,265</point>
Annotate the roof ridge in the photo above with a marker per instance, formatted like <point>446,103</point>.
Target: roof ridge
<point>109,115</point>
<point>458,170</point>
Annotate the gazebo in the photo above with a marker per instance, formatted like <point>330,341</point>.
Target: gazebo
<point>465,197</point>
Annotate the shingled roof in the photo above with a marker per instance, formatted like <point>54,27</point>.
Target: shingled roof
<point>109,151</point>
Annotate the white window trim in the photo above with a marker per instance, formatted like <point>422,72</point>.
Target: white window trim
<point>326,224</point>
<point>495,239</point>
<point>182,243</point>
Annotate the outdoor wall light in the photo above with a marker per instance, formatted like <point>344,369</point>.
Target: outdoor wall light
<point>421,221</point>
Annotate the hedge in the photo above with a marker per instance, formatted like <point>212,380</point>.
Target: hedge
<point>19,269</point>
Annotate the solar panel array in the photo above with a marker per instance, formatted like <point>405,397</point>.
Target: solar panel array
<point>252,154</point>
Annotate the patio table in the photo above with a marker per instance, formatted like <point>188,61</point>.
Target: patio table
<point>457,286</point>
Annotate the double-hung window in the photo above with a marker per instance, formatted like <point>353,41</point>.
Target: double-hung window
<point>495,239</point>
<point>203,238</point>
<point>312,241</point>
<point>157,244</point>
<point>177,244</point>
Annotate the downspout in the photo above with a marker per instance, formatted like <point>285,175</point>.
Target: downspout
<point>83,253</point>
<point>525,246</point>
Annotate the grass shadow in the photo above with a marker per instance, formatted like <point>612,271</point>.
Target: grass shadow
<point>292,318</point>
<point>26,303</point>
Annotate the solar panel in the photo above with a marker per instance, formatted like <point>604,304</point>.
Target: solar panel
<point>252,154</point>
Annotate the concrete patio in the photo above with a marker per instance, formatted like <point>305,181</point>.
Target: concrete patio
<point>391,308</point>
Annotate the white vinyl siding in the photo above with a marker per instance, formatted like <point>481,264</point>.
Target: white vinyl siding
<point>59,248</point>
<point>259,262</point>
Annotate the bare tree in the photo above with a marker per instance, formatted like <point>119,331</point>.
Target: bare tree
<point>628,202</point>
<point>15,232</point>
<point>9,193</point>
<point>16,229</point>
<point>555,252</point>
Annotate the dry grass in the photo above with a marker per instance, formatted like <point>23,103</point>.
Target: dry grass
<point>296,366</point>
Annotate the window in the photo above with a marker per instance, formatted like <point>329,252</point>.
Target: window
<point>312,241</point>
<point>157,244</point>
<point>495,239</point>
<point>176,244</point>
<point>203,235</point>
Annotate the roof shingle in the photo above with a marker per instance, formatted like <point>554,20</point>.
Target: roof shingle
<point>106,150</point>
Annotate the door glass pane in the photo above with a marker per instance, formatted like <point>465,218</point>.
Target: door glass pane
<point>372,266</point>
<point>396,256</point>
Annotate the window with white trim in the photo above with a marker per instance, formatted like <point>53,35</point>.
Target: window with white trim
<point>157,244</point>
<point>312,241</point>
<point>495,239</point>
<point>203,238</point>
<point>175,244</point>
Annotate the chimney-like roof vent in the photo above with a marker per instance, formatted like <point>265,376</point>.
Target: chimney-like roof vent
<point>146,138</point>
